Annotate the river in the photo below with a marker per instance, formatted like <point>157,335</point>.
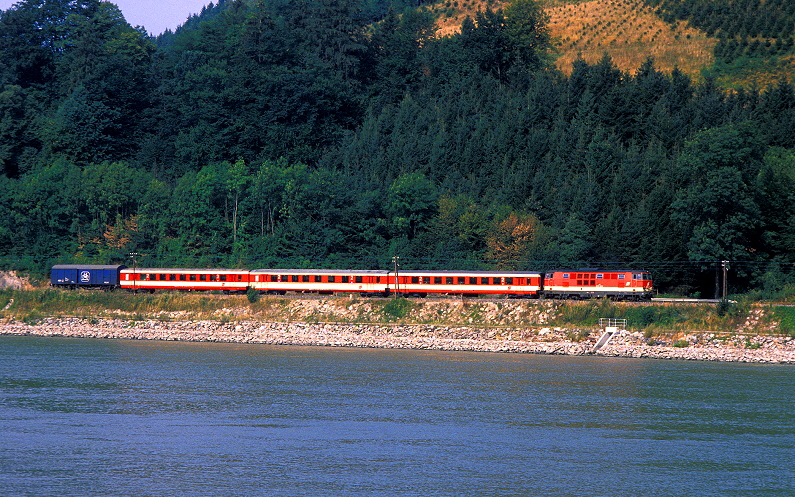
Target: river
<point>85,417</point>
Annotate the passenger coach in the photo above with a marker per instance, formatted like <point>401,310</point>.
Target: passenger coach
<point>421,283</point>
<point>151,279</point>
<point>323,281</point>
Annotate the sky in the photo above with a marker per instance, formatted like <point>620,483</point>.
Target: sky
<point>155,15</point>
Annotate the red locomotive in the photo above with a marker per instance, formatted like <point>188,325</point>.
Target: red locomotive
<point>593,283</point>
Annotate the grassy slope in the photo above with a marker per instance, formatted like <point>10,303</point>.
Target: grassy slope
<point>31,306</point>
<point>629,32</point>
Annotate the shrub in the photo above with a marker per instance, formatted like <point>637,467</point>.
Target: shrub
<point>397,308</point>
<point>725,307</point>
<point>681,344</point>
<point>252,294</point>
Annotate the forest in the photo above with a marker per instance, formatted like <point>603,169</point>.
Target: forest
<point>342,133</point>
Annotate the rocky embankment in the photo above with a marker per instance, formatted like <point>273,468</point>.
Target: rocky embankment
<point>704,347</point>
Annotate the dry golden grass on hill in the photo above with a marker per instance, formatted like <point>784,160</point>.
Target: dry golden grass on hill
<point>627,30</point>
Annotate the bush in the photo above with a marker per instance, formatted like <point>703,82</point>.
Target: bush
<point>681,344</point>
<point>252,294</point>
<point>725,307</point>
<point>397,308</point>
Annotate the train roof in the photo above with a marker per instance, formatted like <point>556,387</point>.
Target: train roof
<point>182,269</point>
<point>321,271</point>
<point>595,270</point>
<point>88,266</point>
<point>470,273</point>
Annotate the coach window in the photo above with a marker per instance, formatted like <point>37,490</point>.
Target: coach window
<point>305,278</point>
<point>331,279</point>
<point>473,280</point>
<point>448,280</point>
<point>437,280</point>
<point>346,279</point>
<point>222,277</point>
<point>213,277</point>
<point>202,277</point>
<point>484,281</point>
<point>182,277</point>
<point>415,279</point>
<point>497,281</point>
<point>462,280</point>
<point>358,279</point>
<point>426,280</point>
<point>318,278</point>
<point>295,278</point>
<point>509,281</point>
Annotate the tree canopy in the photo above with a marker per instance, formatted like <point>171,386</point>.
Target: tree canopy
<point>318,133</point>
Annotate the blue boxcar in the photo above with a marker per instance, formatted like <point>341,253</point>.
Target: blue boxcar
<point>85,276</point>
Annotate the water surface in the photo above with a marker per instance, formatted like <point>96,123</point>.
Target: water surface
<point>115,417</point>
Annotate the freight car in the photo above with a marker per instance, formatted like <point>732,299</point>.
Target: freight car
<point>85,276</point>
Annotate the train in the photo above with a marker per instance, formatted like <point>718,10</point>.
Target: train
<point>575,284</point>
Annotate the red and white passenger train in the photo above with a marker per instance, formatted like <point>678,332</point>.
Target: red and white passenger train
<point>559,283</point>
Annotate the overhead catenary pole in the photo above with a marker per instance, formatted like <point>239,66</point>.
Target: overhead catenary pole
<point>395,260</point>
<point>725,274</point>
<point>133,255</point>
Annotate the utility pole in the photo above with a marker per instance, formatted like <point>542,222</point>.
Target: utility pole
<point>133,255</point>
<point>725,273</point>
<point>395,260</point>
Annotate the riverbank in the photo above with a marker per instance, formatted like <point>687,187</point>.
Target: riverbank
<point>542,340</point>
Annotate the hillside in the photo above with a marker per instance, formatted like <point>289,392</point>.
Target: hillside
<point>629,31</point>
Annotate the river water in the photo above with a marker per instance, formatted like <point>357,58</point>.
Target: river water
<point>133,418</point>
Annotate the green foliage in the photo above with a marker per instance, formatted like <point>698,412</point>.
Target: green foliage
<point>786,320</point>
<point>660,317</point>
<point>252,294</point>
<point>680,344</point>
<point>396,308</point>
<point>303,134</point>
<point>725,307</point>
